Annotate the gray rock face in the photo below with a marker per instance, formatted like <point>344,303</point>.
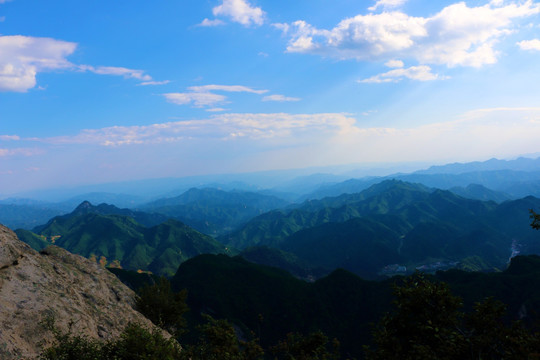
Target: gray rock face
<point>54,283</point>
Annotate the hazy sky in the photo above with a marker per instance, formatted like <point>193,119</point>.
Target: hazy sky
<point>97,91</point>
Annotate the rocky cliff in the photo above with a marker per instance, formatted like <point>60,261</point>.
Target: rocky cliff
<point>56,284</point>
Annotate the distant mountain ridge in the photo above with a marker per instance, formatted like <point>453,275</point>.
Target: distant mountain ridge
<point>480,192</point>
<point>519,164</point>
<point>515,184</point>
<point>395,222</point>
<point>213,211</point>
<point>26,215</point>
<point>113,236</point>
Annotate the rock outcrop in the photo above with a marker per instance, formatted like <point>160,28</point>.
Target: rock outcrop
<point>75,292</point>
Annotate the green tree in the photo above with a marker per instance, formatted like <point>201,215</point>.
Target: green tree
<point>218,341</point>
<point>162,306</point>
<point>488,337</point>
<point>315,346</point>
<point>135,343</point>
<point>424,325</point>
<point>535,219</point>
<point>138,343</point>
<point>68,346</point>
<point>427,323</point>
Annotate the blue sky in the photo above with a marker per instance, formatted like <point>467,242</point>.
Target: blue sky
<point>94,91</point>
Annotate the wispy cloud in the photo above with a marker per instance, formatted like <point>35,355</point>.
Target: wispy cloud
<point>23,57</point>
<point>458,35</point>
<point>387,4</point>
<point>418,73</point>
<point>533,44</point>
<point>280,98</point>
<point>217,109</point>
<point>227,88</point>
<point>221,127</point>
<point>204,96</point>
<point>152,82</point>
<point>118,71</point>
<point>211,23</point>
<point>4,152</point>
<point>475,134</point>
<point>198,99</point>
<point>9,137</point>
<point>240,11</point>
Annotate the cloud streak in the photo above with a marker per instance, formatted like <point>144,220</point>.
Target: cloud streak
<point>219,127</point>
<point>475,134</point>
<point>203,96</point>
<point>23,57</point>
<point>211,23</point>
<point>418,73</point>
<point>280,98</point>
<point>26,152</point>
<point>387,4</point>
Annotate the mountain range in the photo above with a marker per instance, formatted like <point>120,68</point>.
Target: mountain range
<point>395,224</point>
<point>213,211</point>
<point>114,236</point>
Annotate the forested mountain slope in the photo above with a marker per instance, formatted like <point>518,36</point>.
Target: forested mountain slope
<point>119,240</point>
<point>214,211</point>
<point>396,223</point>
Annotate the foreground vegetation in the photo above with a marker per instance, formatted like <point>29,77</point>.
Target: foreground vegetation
<point>426,321</point>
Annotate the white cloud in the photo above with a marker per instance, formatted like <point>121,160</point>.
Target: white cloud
<point>9,137</point>
<point>147,83</point>
<point>240,11</point>
<point>23,57</point>
<point>394,64</point>
<point>27,152</point>
<point>118,71</point>
<point>228,88</point>
<point>419,73</point>
<point>198,99</point>
<point>280,98</point>
<point>284,27</point>
<point>220,127</point>
<point>316,139</point>
<point>210,23</point>
<point>202,96</point>
<point>456,36</point>
<point>387,4</point>
<point>533,44</point>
